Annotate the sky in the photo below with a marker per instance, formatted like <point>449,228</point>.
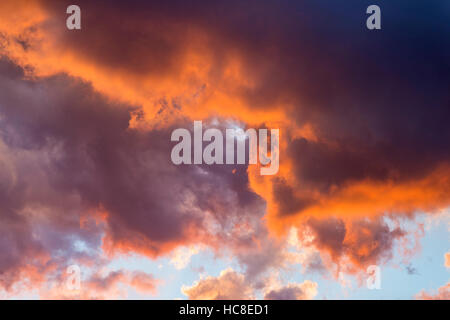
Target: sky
<point>93,207</point>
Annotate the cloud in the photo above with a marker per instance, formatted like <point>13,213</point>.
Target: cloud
<point>182,256</point>
<point>306,290</point>
<point>352,245</point>
<point>70,156</point>
<point>234,285</point>
<point>86,116</point>
<point>112,285</point>
<point>443,293</point>
<point>364,146</point>
<point>229,285</point>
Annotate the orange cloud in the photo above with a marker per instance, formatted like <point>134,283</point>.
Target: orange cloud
<point>356,199</point>
<point>443,293</point>
<point>190,78</point>
<point>172,68</point>
<point>229,285</point>
<point>110,286</point>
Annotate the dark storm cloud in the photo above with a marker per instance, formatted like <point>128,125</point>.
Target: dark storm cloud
<point>378,100</point>
<point>33,217</point>
<point>288,202</point>
<point>67,152</point>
